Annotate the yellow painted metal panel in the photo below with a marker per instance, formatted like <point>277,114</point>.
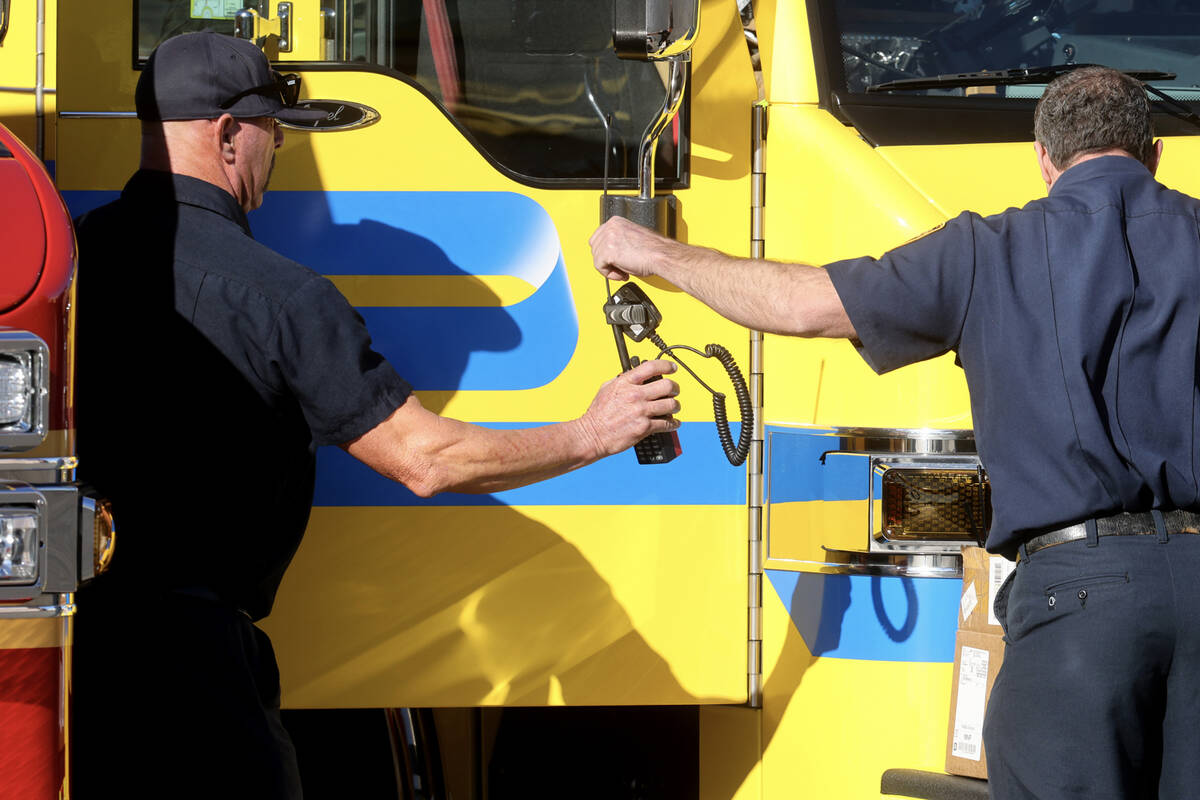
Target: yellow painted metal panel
<point>988,178</point>
<point>95,47</point>
<point>730,750</point>
<point>432,290</point>
<point>531,606</point>
<point>786,49</point>
<point>832,196</point>
<point>18,75</point>
<point>832,726</point>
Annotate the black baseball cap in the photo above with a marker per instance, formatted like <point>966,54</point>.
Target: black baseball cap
<point>204,75</point>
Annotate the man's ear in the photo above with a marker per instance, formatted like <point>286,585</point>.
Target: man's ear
<point>1040,153</point>
<point>1049,171</point>
<point>226,129</point>
<point>1155,156</point>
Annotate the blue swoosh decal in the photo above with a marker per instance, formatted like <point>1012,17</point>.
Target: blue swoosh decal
<point>522,346</point>
<point>871,618</point>
<point>701,476</point>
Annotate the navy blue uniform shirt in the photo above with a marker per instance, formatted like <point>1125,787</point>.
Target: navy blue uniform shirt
<point>1075,319</point>
<point>210,369</point>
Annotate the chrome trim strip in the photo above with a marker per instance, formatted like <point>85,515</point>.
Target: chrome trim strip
<point>97,115</point>
<point>65,608</point>
<point>913,441</point>
<point>24,90</point>
<point>59,470</point>
<point>914,565</point>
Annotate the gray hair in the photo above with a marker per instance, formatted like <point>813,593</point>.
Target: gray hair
<point>1092,109</point>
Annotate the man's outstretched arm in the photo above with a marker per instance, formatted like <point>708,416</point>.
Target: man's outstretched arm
<point>431,454</point>
<point>790,299</point>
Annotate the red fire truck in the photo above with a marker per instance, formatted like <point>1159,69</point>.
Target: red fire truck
<point>52,535</point>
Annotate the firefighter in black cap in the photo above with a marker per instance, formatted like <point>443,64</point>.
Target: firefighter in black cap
<point>210,370</point>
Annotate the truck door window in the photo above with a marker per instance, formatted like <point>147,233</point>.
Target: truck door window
<point>161,19</point>
<point>533,83</point>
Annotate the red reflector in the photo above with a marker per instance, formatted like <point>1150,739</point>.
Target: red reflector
<point>32,752</point>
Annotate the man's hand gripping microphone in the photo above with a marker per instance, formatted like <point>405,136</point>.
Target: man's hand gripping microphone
<point>630,313</point>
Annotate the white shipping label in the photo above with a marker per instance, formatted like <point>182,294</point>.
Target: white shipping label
<point>969,600</point>
<point>999,568</point>
<point>216,9</point>
<point>968,712</point>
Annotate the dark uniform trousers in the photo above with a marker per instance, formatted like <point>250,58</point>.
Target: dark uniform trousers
<point>1098,697</point>
<point>175,696</point>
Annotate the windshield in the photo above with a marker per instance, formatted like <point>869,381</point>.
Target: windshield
<point>887,40</point>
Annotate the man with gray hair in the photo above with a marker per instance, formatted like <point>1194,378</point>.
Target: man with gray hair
<point>1075,319</point>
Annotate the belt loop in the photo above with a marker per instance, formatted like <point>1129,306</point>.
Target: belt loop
<point>1093,535</point>
<point>1022,556</point>
<point>1160,525</point>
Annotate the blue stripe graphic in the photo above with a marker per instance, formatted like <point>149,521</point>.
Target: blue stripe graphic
<point>871,618</point>
<point>522,346</point>
<point>701,476</point>
<point>795,471</point>
<point>81,202</point>
<point>518,347</point>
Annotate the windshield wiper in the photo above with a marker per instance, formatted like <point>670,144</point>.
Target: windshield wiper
<point>1003,77</point>
<point>1026,75</point>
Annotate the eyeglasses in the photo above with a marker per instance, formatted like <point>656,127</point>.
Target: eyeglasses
<point>284,88</point>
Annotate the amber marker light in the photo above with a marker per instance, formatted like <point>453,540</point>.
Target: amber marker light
<point>936,505</point>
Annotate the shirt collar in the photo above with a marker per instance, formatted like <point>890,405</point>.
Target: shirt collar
<point>1120,166</point>
<point>169,187</point>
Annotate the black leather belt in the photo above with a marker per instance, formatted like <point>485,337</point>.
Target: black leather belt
<point>1126,524</point>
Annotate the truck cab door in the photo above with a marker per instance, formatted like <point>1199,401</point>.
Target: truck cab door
<point>449,195</point>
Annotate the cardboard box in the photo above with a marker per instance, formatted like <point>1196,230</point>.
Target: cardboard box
<point>982,575</point>
<point>977,658</point>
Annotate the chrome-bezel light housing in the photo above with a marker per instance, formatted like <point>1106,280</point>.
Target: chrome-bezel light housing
<point>22,537</point>
<point>944,502</point>
<point>24,390</point>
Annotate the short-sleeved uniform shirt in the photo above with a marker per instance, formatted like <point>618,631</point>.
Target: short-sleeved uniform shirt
<point>210,368</point>
<point>1075,319</point>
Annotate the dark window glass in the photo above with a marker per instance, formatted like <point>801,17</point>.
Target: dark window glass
<point>161,19</point>
<point>884,40</point>
<point>534,83</point>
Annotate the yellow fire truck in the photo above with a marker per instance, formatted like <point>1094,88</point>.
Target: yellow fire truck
<point>686,629</point>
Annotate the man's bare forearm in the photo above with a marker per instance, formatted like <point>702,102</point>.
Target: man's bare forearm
<point>771,296</point>
<point>790,299</point>
<point>431,454</point>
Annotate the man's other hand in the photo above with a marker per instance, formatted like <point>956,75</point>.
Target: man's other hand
<point>630,407</point>
<point>621,248</point>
